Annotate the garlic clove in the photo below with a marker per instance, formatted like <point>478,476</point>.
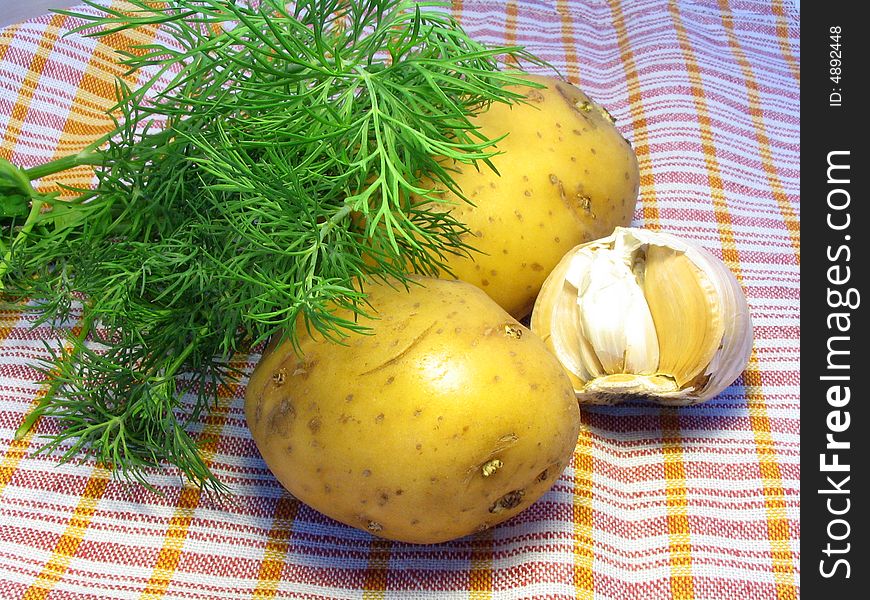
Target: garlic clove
<point>563,332</point>
<point>736,344</point>
<point>686,309</point>
<point>615,318</point>
<point>645,314</point>
<point>568,342</point>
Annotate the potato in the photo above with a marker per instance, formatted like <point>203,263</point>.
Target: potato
<point>566,176</point>
<point>448,418</point>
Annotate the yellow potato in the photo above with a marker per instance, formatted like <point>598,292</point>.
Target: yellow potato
<point>449,418</point>
<point>567,176</point>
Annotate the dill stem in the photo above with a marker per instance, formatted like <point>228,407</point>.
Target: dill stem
<point>173,368</point>
<point>334,220</point>
<point>85,157</point>
<point>34,415</point>
<point>6,262</point>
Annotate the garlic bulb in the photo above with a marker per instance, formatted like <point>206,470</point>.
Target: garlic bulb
<point>644,314</point>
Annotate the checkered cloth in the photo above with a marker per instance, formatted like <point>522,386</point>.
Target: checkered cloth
<point>657,503</point>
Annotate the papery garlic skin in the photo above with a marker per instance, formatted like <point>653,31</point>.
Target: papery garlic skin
<point>644,314</point>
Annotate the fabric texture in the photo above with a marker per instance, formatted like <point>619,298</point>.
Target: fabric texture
<point>698,502</point>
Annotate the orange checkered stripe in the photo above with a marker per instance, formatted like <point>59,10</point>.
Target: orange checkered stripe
<point>657,503</point>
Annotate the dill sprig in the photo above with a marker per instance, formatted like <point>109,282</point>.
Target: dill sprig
<point>262,171</point>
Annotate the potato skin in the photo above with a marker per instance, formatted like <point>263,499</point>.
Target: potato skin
<point>450,418</point>
<point>566,176</point>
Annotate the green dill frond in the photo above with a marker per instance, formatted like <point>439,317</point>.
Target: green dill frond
<point>262,171</point>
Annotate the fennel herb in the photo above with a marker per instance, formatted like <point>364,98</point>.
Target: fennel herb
<point>259,174</point>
